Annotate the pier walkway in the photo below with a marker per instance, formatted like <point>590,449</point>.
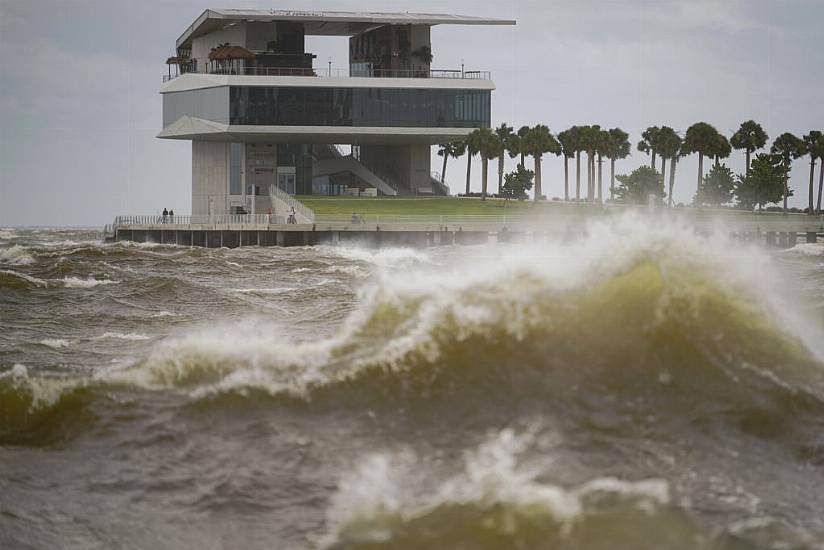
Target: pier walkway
<point>266,230</point>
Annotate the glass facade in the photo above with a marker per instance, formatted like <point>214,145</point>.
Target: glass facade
<point>208,104</point>
<point>389,107</point>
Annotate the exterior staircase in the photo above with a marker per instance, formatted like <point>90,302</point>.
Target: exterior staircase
<point>330,166</point>
<point>283,203</point>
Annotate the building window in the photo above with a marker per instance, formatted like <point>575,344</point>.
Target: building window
<point>360,107</point>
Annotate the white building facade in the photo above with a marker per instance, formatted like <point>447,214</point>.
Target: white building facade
<point>245,92</point>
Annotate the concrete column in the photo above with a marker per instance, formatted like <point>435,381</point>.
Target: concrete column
<point>812,237</point>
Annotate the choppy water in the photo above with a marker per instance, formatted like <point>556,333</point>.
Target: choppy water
<point>641,388</point>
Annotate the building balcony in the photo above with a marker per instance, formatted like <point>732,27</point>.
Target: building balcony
<point>451,74</point>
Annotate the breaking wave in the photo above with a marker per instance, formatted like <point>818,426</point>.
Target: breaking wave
<point>660,321</point>
<point>15,255</point>
<point>10,279</point>
<point>392,501</point>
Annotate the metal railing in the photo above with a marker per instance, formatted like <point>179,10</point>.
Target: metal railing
<point>457,221</point>
<point>292,202</point>
<point>217,219</point>
<point>345,73</point>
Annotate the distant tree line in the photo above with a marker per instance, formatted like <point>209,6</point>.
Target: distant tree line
<point>765,180</point>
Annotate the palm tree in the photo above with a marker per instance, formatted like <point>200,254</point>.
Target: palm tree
<point>487,144</point>
<point>750,137</point>
<point>604,149</point>
<point>669,144</point>
<point>471,151</point>
<point>819,148</point>
<point>540,141</point>
<point>619,148</point>
<point>722,149</point>
<point>504,134</point>
<point>648,143</point>
<point>589,143</point>
<point>701,138</point>
<point>517,143</point>
<point>565,138</point>
<point>575,134</point>
<point>810,141</point>
<point>788,147</point>
<point>452,149</point>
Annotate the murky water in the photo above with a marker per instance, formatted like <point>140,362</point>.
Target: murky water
<point>640,388</point>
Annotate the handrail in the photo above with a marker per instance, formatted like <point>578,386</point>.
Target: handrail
<point>215,219</point>
<point>292,202</point>
<point>453,74</point>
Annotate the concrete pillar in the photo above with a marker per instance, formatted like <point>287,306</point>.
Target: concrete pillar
<point>793,239</point>
<point>770,238</point>
<point>811,237</point>
<point>783,238</point>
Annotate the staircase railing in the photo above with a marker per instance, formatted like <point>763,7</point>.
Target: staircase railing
<point>291,202</point>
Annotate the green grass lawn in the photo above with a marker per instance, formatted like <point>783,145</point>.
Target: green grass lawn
<point>342,208</point>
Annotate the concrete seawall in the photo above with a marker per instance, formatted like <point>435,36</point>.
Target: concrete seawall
<point>376,236</point>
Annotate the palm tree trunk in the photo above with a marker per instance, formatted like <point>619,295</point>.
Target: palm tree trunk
<point>672,179</point>
<point>612,179</point>
<point>600,179</point>
<point>812,183</point>
<point>700,173</point>
<point>592,179</point>
<point>577,175</point>
<point>538,190</point>
<point>589,176</point>
<point>747,157</point>
<point>468,170</point>
<point>663,169</point>
<point>786,185</point>
<point>484,176</point>
<point>522,160</point>
<point>500,172</point>
<point>652,159</point>
<point>443,171</point>
<point>820,184</point>
<point>566,177</point>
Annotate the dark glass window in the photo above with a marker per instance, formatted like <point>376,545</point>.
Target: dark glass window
<point>392,107</point>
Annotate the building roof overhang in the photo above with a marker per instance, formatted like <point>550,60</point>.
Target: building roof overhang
<point>191,128</point>
<point>326,23</point>
<point>198,81</point>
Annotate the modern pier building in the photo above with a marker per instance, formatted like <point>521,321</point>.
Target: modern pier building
<point>265,122</point>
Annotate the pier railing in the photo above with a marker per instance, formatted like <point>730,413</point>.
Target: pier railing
<point>452,74</point>
<point>176,220</point>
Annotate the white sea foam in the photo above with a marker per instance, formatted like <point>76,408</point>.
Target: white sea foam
<point>132,336</point>
<point>16,255</point>
<point>76,282</point>
<point>397,486</point>
<point>353,270</point>
<point>44,391</point>
<point>55,343</point>
<point>493,291</point>
<point>384,257</point>
<point>809,249</point>
<point>32,280</point>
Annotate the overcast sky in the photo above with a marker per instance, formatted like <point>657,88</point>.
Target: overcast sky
<point>80,109</point>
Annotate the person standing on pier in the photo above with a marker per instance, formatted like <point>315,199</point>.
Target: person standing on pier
<point>165,213</point>
<point>171,216</point>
